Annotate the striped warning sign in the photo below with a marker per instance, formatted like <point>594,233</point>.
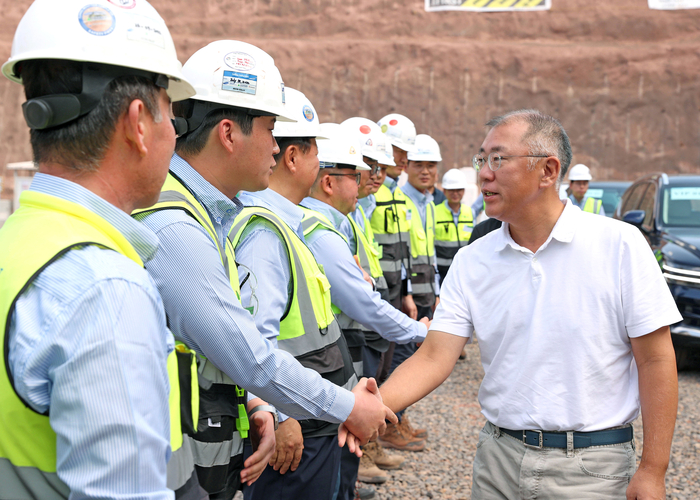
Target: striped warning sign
<point>487,5</point>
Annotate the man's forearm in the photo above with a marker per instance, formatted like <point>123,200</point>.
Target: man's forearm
<point>658,395</point>
<point>420,374</point>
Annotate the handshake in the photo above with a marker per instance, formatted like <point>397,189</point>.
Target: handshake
<point>367,419</point>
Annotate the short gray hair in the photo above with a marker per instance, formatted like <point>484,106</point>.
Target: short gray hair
<point>82,143</point>
<point>544,136</point>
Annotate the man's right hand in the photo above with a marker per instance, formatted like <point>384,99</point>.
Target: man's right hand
<point>408,306</point>
<point>368,416</point>
<point>290,445</point>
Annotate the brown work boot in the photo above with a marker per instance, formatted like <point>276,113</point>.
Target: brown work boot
<point>394,437</point>
<point>382,459</point>
<point>412,431</point>
<point>369,472</point>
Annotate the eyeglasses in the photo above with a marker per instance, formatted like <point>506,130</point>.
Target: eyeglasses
<point>253,284</point>
<point>356,176</point>
<point>374,168</point>
<point>494,160</point>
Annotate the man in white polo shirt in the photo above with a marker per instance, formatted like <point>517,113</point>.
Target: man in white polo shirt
<point>572,315</point>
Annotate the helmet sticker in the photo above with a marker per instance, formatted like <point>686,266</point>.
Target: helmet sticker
<point>146,30</point>
<point>394,122</point>
<point>124,4</point>
<point>239,82</point>
<point>369,142</point>
<point>97,20</point>
<point>308,113</point>
<point>365,129</point>
<point>384,128</point>
<point>352,150</point>
<point>239,61</point>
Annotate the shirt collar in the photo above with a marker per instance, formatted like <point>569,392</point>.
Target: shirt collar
<point>417,196</point>
<point>391,183</point>
<point>290,213</point>
<point>144,241</point>
<point>367,202</point>
<point>331,213</point>
<point>563,230</point>
<point>221,209</point>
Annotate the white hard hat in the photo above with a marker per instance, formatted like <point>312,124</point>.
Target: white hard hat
<point>400,131</point>
<point>122,33</point>
<point>426,149</point>
<point>341,147</point>
<point>374,143</point>
<point>454,179</point>
<point>580,172</point>
<point>238,74</point>
<point>300,108</point>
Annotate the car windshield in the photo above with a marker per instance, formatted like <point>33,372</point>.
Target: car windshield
<point>609,195</point>
<point>680,206</point>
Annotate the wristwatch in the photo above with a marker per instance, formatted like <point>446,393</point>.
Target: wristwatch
<point>269,408</point>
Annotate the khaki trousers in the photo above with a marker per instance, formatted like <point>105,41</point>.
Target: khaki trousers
<point>504,468</point>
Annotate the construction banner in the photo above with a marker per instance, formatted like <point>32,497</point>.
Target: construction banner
<point>674,4</point>
<point>494,5</point>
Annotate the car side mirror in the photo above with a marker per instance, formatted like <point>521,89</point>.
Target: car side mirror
<point>634,217</point>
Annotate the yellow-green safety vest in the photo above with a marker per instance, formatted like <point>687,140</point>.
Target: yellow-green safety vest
<point>592,205</point>
<point>391,231</point>
<point>42,230</point>
<point>216,398</point>
<point>422,253</point>
<point>450,237</point>
<point>308,328</point>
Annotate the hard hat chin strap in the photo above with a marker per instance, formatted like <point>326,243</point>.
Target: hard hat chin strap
<point>58,109</point>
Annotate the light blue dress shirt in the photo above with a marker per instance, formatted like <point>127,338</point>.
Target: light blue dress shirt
<point>88,340</point>
<point>422,201</point>
<point>583,203</point>
<point>349,291</point>
<point>204,312</point>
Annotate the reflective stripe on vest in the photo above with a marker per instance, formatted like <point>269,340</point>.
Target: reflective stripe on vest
<point>391,231</point>
<point>43,229</point>
<point>592,205</point>
<point>450,237</point>
<point>422,253</point>
<point>308,328</point>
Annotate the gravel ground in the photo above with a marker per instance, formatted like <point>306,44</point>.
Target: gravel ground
<point>443,470</point>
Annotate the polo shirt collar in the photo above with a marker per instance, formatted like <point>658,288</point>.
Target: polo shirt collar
<point>563,230</point>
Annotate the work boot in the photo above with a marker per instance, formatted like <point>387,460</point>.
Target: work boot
<point>412,431</point>
<point>362,493</point>
<point>394,437</point>
<point>369,472</point>
<point>382,459</point>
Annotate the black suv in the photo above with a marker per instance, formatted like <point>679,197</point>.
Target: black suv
<point>667,210</point>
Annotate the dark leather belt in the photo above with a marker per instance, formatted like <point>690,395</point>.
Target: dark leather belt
<point>542,439</point>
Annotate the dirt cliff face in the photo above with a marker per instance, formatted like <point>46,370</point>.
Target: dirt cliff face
<point>622,79</point>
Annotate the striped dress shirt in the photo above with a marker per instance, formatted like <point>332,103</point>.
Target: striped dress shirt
<point>88,341</point>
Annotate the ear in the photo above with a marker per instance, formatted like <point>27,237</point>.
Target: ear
<point>550,172</point>
<point>136,124</point>
<point>327,184</point>
<point>228,133</point>
<point>291,158</point>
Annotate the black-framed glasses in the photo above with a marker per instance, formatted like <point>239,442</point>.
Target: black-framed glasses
<point>374,167</point>
<point>356,176</point>
<point>494,160</point>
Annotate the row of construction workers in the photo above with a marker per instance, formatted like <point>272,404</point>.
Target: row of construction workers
<point>176,321</point>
